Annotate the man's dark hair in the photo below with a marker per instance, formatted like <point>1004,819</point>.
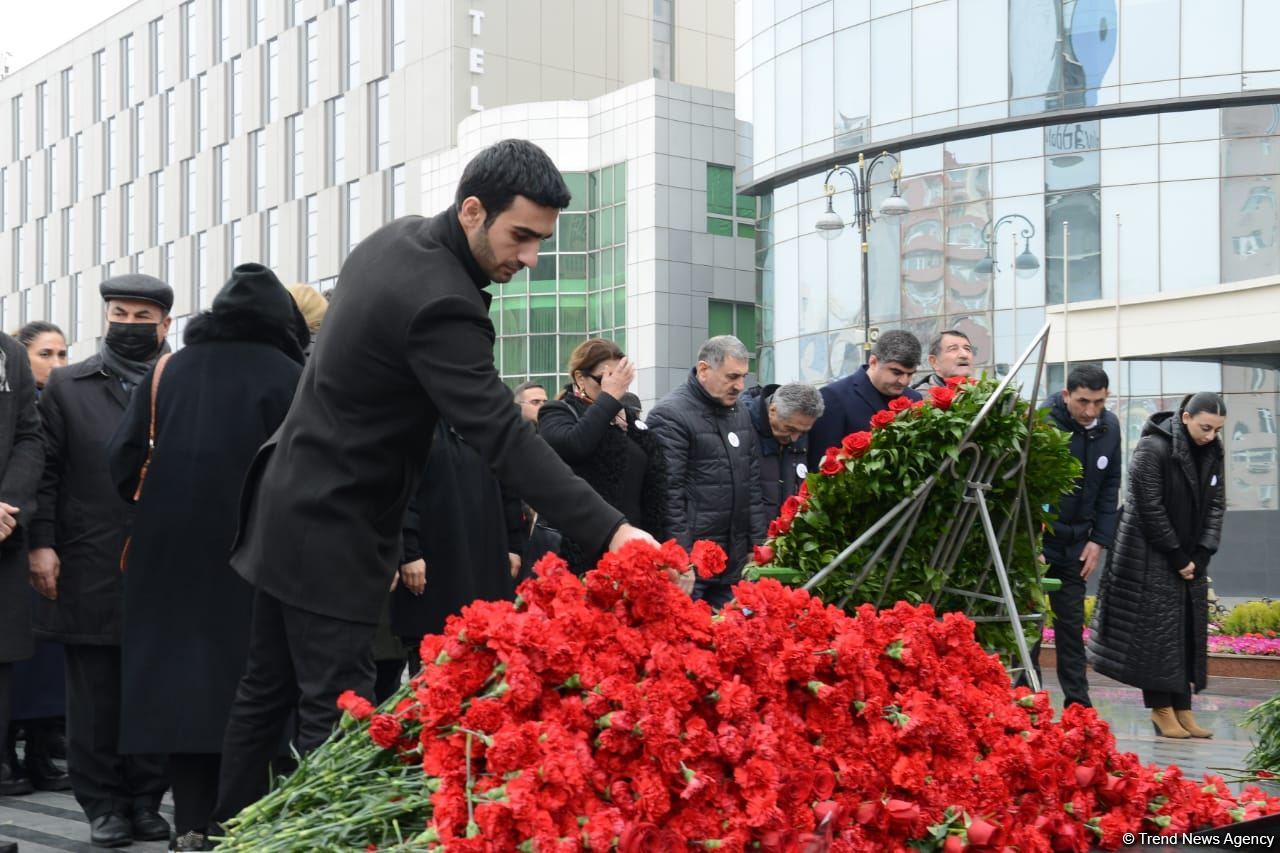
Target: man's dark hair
<point>935,348</point>
<point>526,386</point>
<point>510,168</point>
<point>1088,376</point>
<point>899,346</point>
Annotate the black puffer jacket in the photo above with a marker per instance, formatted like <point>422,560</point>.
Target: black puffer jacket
<point>713,472</point>
<point>1089,513</point>
<point>584,436</point>
<point>782,466</point>
<point>1173,514</point>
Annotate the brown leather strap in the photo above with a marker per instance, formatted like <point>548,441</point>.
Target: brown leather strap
<point>151,430</point>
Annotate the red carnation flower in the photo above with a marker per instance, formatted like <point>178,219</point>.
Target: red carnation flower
<point>831,464</point>
<point>708,558</point>
<point>899,404</point>
<point>856,444</point>
<point>882,418</point>
<point>385,730</point>
<point>762,555</point>
<point>942,397</point>
<point>357,706</point>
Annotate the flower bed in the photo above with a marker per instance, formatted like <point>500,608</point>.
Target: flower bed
<point>612,711</point>
<point>1219,644</point>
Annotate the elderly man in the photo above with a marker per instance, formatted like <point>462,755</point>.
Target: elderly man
<point>713,462</point>
<point>950,354</point>
<point>851,401</point>
<point>529,397</point>
<point>782,416</point>
<point>78,533</point>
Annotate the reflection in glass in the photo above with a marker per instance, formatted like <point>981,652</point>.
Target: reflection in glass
<point>852,89</point>
<point>922,263</point>
<point>1082,211</point>
<point>1250,228</point>
<point>1071,171</point>
<point>1059,52</point>
<point>813,358</point>
<point>813,283</point>
<point>966,290</point>
<point>1252,156</point>
<point>845,354</point>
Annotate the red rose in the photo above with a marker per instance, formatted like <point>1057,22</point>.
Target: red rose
<point>384,730</point>
<point>762,555</point>
<point>956,381</point>
<point>953,844</point>
<point>1084,776</point>
<point>708,558</point>
<point>357,706</point>
<point>920,404</point>
<point>831,464</point>
<point>942,397</point>
<point>780,841</point>
<point>980,832</point>
<point>867,811</point>
<point>642,838</point>
<point>882,418</point>
<point>828,810</point>
<point>778,527</point>
<point>824,783</point>
<point>790,507</point>
<point>903,811</point>
<point>856,444</point>
<point>899,404</point>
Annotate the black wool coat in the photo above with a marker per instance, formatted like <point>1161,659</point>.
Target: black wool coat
<point>583,435</point>
<point>21,463</point>
<point>186,614</point>
<point>713,472</point>
<point>407,341</point>
<point>1088,513</point>
<point>80,513</point>
<point>850,402</point>
<point>463,525</point>
<point>783,467</point>
<point>1146,613</point>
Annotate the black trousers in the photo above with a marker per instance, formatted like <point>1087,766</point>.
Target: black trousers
<point>102,779</point>
<point>195,790</point>
<point>297,659</point>
<point>6,700</point>
<point>1068,635</point>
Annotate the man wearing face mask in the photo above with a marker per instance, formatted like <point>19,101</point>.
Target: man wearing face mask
<point>78,533</point>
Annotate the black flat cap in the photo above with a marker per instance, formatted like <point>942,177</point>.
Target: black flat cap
<point>138,286</point>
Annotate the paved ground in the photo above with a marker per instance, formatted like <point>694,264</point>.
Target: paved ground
<point>45,822</point>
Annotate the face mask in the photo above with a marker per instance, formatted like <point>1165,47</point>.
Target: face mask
<point>134,341</point>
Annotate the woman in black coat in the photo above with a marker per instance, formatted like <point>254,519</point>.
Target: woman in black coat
<point>462,537</point>
<point>605,443</point>
<point>1151,625</point>
<point>186,613</point>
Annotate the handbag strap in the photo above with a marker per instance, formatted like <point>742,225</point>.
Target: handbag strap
<point>151,429</point>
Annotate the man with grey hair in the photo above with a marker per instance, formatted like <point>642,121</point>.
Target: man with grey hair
<point>852,401</point>
<point>950,354</point>
<point>782,416</point>
<point>713,462</point>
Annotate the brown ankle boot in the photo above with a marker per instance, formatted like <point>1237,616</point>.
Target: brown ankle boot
<point>1187,720</point>
<point>1166,723</point>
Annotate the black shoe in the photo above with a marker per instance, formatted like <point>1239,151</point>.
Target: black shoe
<point>110,830</point>
<point>148,825</point>
<point>45,775</point>
<point>12,785</point>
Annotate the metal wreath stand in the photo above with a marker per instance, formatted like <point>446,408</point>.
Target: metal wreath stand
<point>971,506</point>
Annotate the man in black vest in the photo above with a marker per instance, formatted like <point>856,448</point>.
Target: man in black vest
<point>79,531</point>
<point>407,341</point>
<point>1087,518</point>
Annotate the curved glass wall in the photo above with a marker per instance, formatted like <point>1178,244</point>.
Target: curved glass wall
<point>818,76</point>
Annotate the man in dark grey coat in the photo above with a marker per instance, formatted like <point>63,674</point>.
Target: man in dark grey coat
<point>79,531</point>
<point>713,462</point>
<point>407,341</point>
<point>21,461</point>
<point>782,416</point>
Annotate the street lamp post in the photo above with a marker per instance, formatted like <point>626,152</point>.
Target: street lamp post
<point>830,224</point>
<point>1025,263</point>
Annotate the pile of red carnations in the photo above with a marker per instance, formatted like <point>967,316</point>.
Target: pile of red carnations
<point>611,711</point>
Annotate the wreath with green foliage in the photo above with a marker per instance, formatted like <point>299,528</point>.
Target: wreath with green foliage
<point>871,472</point>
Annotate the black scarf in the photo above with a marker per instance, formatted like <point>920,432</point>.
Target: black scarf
<point>127,370</point>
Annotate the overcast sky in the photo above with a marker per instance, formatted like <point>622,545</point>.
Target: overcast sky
<point>31,28</point>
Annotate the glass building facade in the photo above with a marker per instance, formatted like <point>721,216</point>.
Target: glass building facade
<point>1140,139</point>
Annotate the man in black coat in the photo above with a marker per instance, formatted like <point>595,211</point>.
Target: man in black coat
<point>713,462</point>
<point>782,416</point>
<point>21,462</point>
<point>1086,522</point>
<point>407,340</point>
<point>851,401</point>
<point>79,531</point>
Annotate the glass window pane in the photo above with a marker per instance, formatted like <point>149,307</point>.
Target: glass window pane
<point>1211,38</point>
<point>983,60</point>
<point>619,265</point>
<point>722,227</point>
<point>619,306</point>
<point>853,81</point>
<point>545,270</point>
<point>573,273</point>
<point>572,231</point>
<point>573,312</point>
<point>515,320</point>
<point>1250,228</point>
<point>620,182</point>
<point>747,206</point>
<point>515,356</point>
<point>620,223</point>
<point>890,54</point>
<point>606,186</point>
<point>577,183</point>
<point>719,190</point>
<point>593,190</point>
<point>719,318</point>
<point>1188,211</point>
<point>816,93</point>
<point>747,230</point>
<point>746,326</point>
<point>933,55</point>
<point>1082,211</point>
<point>542,316</point>
<point>1149,41</point>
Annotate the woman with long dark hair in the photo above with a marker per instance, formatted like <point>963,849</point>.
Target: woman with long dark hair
<point>1150,629</point>
<point>604,442</point>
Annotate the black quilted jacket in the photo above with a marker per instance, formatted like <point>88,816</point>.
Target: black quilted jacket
<point>1150,627</point>
<point>713,472</point>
